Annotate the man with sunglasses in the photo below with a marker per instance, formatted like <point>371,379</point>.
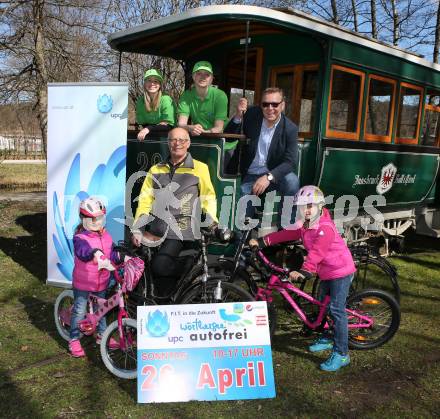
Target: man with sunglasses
<point>173,195</point>
<point>269,160</point>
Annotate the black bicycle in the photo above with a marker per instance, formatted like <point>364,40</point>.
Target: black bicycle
<point>197,284</point>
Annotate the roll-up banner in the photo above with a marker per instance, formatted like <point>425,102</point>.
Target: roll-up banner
<point>86,156</point>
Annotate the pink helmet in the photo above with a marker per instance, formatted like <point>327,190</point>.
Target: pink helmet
<point>309,194</point>
<point>92,207</point>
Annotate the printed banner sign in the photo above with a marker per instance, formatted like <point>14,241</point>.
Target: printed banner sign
<point>204,352</point>
<point>86,155</point>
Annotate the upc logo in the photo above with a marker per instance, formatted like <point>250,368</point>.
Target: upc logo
<point>105,103</point>
<point>158,324</point>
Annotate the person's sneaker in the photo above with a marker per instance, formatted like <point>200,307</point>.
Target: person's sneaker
<point>335,362</point>
<point>321,344</point>
<point>76,349</point>
<point>112,344</point>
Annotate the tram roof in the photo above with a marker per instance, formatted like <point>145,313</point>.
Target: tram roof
<point>186,34</point>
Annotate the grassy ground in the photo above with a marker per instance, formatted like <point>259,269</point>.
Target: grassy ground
<point>39,380</point>
<point>23,177</point>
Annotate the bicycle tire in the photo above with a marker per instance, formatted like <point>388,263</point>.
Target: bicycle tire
<point>376,273</point>
<point>205,293</point>
<point>384,310</point>
<point>63,302</point>
<point>121,363</point>
<point>373,274</point>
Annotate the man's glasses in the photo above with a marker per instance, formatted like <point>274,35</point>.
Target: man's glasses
<point>177,140</point>
<point>271,104</point>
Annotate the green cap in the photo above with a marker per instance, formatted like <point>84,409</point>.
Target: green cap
<point>153,73</point>
<point>202,65</point>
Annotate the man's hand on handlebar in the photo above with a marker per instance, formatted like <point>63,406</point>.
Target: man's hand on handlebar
<point>138,237</point>
<point>256,244</point>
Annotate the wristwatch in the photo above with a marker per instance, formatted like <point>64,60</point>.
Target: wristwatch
<point>269,177</point>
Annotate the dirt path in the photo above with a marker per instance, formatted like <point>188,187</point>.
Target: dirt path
<point>22,196</point>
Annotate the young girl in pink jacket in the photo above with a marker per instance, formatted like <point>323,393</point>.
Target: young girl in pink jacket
<point>93,251</point>
<point>327,256</point>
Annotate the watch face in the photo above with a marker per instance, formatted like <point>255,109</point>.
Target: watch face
<point>270,177</point>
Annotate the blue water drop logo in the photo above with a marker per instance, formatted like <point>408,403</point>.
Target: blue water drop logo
<point>105,103</point>
<point>157,324</point>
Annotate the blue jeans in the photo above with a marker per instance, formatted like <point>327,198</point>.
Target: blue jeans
<point>79,311</point>
<point>338,291</point>
<point>286,186</point>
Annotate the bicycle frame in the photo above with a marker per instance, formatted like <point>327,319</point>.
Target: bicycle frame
<point>103,306</point>
<point>275,283</point>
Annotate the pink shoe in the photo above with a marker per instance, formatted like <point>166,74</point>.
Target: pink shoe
<point>76,349</point>
<point>112,343</point>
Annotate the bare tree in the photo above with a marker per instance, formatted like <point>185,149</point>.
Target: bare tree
<point>436,36</point>
<point>44,41</point>
<point>355,15</point>
<point>373,19</point>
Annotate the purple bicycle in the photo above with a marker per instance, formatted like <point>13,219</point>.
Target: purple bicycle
<point>373,315</point>
<point>119,343</point>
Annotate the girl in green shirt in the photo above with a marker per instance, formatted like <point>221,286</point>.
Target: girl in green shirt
<point>153,108</point>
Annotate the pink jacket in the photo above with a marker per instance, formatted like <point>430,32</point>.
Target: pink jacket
<point>86,276</point>
<point>328,255</point>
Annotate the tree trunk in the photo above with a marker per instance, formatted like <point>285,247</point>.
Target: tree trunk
<point>335,12</point>
<point>373,19</point>
<point>355,17</point>
<point>437,36</point>
<point>41,71</point>
<point>395,22</point>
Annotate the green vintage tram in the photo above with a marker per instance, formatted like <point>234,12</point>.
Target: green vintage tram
<point>368,113</point>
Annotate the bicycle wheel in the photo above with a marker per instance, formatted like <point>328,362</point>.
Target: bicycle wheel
<point>374,271</point>
<point>62,312</point>
<point>382,308</point>
<point>120,362</point>
<point>215,290</point>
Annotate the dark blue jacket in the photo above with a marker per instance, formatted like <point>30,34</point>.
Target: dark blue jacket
<point>283,151</point>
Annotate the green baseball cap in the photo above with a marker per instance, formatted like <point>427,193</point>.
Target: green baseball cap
<point>153,73</point>
<point>202,65</point>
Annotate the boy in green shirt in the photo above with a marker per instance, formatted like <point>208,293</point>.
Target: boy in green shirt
<point>206,105</point>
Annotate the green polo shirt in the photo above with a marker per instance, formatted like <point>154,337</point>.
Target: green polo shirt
<point>204,112</point>
<point>165,112</point>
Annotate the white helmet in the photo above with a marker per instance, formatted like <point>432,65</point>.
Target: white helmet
<point>309,194</point>
<point>92,207</point>
<point>93,212</point>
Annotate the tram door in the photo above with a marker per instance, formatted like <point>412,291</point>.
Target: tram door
<point>234,77</point>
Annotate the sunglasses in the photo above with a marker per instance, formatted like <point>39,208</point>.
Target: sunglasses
<point>178,140</point>
<point>271,104</point>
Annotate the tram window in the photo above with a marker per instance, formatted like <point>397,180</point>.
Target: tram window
<point>345,101</point>
<point>431,123</point>
<point>309,88</point>
<point>285,82</point>
<point>409,113</point>
<point>380,105</point>
<point>235,94</point>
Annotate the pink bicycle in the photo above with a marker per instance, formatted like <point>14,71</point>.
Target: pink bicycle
<point>373,315</point>
<point>118,344</point>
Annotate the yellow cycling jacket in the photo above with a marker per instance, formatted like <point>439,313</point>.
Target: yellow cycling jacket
<point>172,199</point>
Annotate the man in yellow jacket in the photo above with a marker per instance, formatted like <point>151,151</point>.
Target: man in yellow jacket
<point>173,197</point>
